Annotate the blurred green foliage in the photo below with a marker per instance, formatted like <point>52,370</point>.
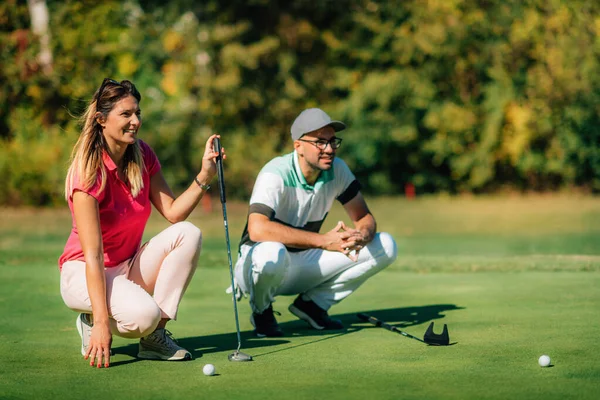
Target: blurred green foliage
<point>449,95</point>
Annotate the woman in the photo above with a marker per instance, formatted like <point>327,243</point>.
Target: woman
<point>118,286</point>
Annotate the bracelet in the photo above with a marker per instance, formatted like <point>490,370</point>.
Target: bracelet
<point>202,185</point>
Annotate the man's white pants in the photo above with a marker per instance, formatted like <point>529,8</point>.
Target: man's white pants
<point>268,269</point>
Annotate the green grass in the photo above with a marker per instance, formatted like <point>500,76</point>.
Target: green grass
<point>513,277</point>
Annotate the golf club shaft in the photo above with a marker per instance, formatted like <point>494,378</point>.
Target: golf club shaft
<point>387,326</point>
<point>217,148</point>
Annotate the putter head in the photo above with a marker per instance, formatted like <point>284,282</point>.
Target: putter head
<point>239,356</point>
<point>443,339</point>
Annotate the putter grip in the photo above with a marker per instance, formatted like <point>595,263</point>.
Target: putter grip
<point>379,323</point>
<point>362,316</point>
<point>370,319</point>
<point>217,148</point>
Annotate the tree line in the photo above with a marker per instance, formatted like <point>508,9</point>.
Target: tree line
<point>444,96</point>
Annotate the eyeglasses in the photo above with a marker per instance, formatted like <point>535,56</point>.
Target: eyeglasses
<point>105,82</point>
<point>321,144</point>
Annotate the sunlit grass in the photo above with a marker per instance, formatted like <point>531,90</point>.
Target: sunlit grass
<point>513,277</point>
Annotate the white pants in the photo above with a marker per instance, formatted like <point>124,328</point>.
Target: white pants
<point>267,269</point>
<point>142,290</point>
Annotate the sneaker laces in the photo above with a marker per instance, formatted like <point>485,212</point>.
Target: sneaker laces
<point>164,338</point>
<point>169,335</point>
<point>268,317</point>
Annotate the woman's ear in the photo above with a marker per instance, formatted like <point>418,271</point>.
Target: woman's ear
<point>100,118</point>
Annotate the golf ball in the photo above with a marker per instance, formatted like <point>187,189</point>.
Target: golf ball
<point>544,361</point>
<point>208,370</point>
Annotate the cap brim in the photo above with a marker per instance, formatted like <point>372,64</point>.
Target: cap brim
<point>337,125</point>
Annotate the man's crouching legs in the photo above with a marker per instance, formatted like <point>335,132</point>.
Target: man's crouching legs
<point>264,268</point>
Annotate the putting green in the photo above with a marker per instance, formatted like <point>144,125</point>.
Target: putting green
<point>507,299</point>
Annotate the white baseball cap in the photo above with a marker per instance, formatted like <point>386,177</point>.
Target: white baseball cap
<point>312,119</point>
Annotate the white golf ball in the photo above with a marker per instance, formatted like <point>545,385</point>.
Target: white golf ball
<point>544,361</point>
<point>208,370</point>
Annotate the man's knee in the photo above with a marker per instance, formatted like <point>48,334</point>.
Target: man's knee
<point>270,259</point>
<point>389,246</point>
<point>388,250</point>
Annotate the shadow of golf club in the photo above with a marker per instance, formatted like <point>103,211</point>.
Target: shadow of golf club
<point>399,317</point>
<point>332,336</point>
<point>405,317</point>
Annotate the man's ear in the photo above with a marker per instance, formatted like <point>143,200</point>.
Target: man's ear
<point>297,146</point>
<point>100,118</point>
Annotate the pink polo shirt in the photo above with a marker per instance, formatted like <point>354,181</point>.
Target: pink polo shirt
<point>122,217</point>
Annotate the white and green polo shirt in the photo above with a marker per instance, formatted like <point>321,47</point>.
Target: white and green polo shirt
<point>282,194</point>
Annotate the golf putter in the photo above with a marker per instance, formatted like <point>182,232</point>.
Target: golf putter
<point>236,355</point>
<point>429,338</point>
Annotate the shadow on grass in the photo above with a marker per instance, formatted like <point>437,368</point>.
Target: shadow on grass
<point>399,317</point>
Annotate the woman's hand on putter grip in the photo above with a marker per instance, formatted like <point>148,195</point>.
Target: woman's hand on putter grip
<point>209,160</point>
<point>99,345</point>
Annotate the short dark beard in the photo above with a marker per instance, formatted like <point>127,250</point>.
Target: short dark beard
<point>316,167</point>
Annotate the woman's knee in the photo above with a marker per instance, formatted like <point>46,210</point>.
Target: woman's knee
<point>190,232</point>
<point>140,321</point>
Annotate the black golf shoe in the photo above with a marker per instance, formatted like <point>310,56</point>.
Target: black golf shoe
<point>314,315</point>
<point>265,324</point>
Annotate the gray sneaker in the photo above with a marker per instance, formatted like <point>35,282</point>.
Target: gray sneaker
<point>160,345</point>
<point>84,327</point>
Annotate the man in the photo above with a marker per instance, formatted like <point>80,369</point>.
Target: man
<point>282,251</point>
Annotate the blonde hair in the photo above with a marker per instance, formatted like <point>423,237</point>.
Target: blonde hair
<point>86,163</point>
